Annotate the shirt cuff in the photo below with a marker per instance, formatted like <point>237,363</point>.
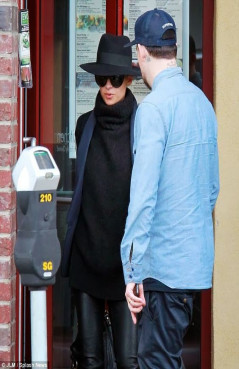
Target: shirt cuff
<point>132,273</point>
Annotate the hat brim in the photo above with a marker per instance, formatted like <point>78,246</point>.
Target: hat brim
<point>154,43</point>
<point>134,42</point>
<point>100,69</point>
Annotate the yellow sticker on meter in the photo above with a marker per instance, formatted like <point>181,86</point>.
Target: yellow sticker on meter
<point>47,265</point>
<point>45,197</point>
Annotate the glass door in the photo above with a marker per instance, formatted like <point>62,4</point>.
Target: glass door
<point>64,33</point>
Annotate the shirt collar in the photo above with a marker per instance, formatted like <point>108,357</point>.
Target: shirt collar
<point>166,73</point>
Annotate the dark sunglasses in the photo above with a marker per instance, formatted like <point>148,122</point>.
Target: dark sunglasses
<point>116,81</point>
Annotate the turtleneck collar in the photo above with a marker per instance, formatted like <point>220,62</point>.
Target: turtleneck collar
<point>110,116</point>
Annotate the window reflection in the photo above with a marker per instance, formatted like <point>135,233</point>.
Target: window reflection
<point>61,98</point>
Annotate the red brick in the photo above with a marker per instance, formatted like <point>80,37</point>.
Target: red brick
<point>5,269</point>
<point>5,157</point>
<point>5,223</point>
<point>7,245</point>
<point>6,44</point>
<point>8,222</point>
<point>8,88</point>
<point>5,178</point>
<point>8,111</point>
<point>6,66</point>
<point>8,289</point>
<point>5,314</point>
<point>5,88</point>
<point>5,356</point>
<point>5,291</point>
<point>8,17</point>
<point>7,200</point>
<point>5,111</point>
<point>8,355</point>
<point>8,156</point>
<point>5,335</point>
<point>8,132</point>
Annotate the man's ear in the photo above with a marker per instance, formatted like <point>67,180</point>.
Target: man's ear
<point>142,52</point>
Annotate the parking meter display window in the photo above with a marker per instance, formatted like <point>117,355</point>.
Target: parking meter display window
<point>43,160</point>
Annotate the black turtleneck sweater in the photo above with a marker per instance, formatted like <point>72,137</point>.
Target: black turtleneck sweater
<point>96,264</point>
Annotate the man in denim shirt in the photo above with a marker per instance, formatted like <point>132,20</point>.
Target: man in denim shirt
<point>168,247</point>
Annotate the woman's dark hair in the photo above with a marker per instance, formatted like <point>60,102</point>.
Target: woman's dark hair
<point>165,52</point>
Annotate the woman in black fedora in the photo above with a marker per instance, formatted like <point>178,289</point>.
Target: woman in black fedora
<point>97,215</point>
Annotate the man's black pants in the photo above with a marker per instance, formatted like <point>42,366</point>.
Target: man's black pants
<point>162,326</point>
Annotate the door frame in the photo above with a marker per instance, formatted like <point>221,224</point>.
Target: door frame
<point>38,117</point>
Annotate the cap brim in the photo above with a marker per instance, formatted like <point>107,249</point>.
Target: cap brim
<point>134,42</point>
<point>100,69</point>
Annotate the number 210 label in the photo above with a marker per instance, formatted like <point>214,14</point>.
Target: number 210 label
<point>46,197</point>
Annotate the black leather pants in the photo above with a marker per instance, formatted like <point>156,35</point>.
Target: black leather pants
<point>88,348</point>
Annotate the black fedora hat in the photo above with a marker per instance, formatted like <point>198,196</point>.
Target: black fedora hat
<point>112,58</point>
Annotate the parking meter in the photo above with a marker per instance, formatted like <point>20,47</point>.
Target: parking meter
<point>37,251</point>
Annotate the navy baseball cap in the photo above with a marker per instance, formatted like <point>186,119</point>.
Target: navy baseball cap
<point>150,28</point>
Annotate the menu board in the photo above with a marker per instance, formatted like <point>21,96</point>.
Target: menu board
<point>132,10</point>
<point>87,24</point>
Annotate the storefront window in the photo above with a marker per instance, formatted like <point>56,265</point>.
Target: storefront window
<point>72,39</point>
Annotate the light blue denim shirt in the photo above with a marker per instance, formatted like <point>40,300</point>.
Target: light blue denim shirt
<point>174,187</point>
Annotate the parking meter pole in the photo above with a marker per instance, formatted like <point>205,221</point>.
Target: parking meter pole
<point>31,140</point>
<point>38,327</point>
<point>37,250</point>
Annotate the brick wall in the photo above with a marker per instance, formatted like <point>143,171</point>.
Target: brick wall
<point>8,156</point>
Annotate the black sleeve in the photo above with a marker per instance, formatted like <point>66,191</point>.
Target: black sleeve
<point>81,122</point>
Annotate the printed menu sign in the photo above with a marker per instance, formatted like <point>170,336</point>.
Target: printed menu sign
<point>132,10</point>
<point>90,24</point>
<point>87,24</point>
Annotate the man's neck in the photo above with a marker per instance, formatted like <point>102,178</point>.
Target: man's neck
<point>156,66</point>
